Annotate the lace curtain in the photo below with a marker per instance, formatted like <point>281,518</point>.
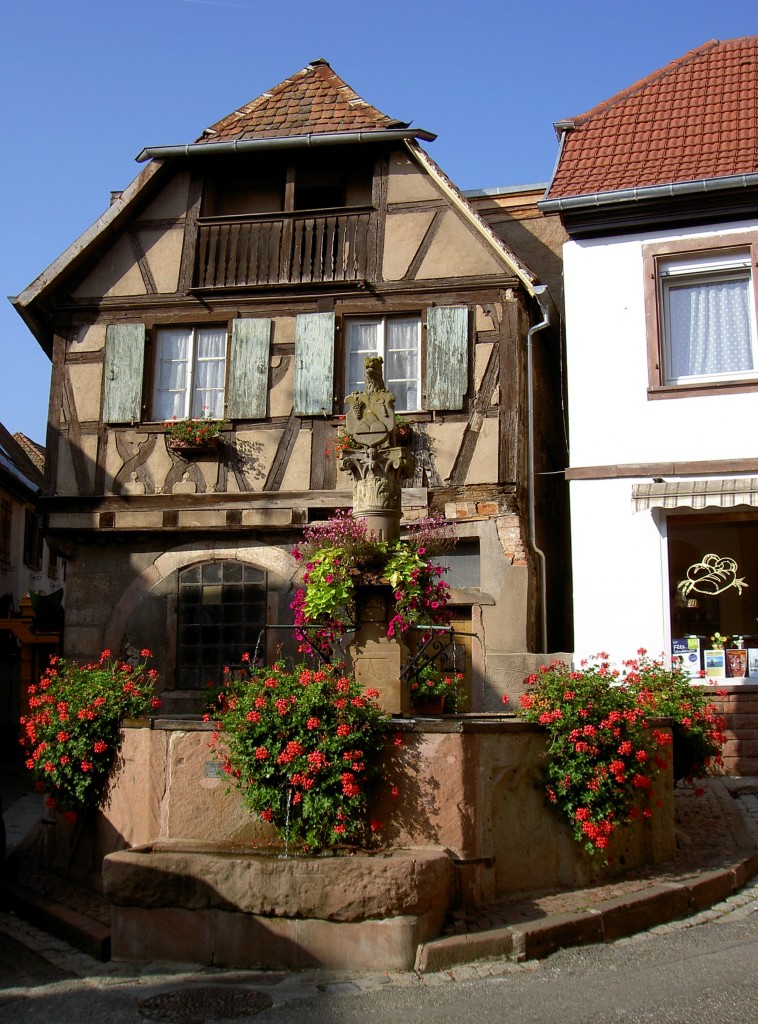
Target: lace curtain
<point>709,328</point>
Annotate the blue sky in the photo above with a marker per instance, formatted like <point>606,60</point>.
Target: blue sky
<point>85,84</point>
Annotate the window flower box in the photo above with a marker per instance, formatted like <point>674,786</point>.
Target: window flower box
<point>193,436</point>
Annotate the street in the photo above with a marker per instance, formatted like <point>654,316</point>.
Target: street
<point>691,972</point>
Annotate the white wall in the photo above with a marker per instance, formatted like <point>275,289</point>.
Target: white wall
<point>619,556</point>
<point>620,572</point>
<point>611,418</point>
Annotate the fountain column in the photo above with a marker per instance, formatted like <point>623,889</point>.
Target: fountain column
<point>377,466</point>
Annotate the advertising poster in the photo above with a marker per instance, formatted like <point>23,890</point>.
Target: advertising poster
<point>686,651</point>
<point>715,664</point>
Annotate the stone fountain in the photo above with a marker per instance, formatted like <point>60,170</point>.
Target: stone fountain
<point>470,824</point>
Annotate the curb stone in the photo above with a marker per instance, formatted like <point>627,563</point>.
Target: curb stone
<point>618,918</point>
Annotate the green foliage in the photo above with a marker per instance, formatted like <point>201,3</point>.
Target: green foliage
<point>72,735</point>
<point>305,748</point>
<point>603,755</point>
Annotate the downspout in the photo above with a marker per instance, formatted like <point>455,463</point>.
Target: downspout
<point>549,314</point>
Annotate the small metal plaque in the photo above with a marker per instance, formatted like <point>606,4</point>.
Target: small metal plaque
<point>214,770</point>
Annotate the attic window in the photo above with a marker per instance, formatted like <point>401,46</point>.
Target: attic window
<point>276,182</point>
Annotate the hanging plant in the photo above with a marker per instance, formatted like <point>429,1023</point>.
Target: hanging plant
<point>72,735</point>
<point>602,755</point>
<point>340,553</point>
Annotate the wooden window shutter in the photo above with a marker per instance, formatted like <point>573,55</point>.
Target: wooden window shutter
<point>446,356</point>
<point>248,370</point>
<point>124,367</point>
<point>314,364</point>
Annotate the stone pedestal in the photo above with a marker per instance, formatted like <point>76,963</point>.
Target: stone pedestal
<point>376,659</point>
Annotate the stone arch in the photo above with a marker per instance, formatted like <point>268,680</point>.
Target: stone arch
<point>275,561</point>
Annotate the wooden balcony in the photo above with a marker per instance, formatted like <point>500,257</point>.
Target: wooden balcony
<point>290,248</point>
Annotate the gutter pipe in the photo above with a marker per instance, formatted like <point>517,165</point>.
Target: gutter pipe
<point>283,142</point>
<point>636,195</point>
<point>549,316</point>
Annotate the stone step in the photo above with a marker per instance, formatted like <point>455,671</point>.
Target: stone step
<point>62,916</point>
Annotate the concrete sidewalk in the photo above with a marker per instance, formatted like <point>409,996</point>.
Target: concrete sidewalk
<point>717,839</point>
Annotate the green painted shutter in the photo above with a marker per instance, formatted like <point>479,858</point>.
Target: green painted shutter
<point>248,371</point>
<point>314,364</point>
<point>124,367</point>
<point>446,356</point>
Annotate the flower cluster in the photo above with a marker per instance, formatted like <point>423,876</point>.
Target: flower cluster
<point>341,551</point>
<point>340,443</point>
<point>305,747</point>
<point>431,682</point>
<point>603,755</point>
<point>197,431</point>
<point>71,735</point>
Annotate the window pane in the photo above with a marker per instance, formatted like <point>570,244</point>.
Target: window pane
<point>210,630</point>
<point>362,341</point>
<point>709,327</point>
<point>401,367</point>
<point>171,374</point>
<point>210,373</point>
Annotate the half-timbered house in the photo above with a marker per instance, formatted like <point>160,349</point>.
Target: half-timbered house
<point>244,277</point>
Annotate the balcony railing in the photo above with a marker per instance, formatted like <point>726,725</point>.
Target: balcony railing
<point>290,248</point>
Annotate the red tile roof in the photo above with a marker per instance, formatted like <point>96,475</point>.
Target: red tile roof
<point>313,101</point>
<point>34,451</point>
<point>695,118</point>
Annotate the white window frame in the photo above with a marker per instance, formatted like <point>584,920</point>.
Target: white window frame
<point>381,323</point>
<point>712,268</point>
<point>189,406</point>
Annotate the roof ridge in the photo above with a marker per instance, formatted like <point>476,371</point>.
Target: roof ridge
<point>642,83</point>
<point>295,103</point>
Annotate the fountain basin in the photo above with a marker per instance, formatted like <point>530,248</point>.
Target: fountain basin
<point>245,909</point>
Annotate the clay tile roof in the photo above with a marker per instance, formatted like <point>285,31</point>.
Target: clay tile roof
<point>313,101</point>
<point>34,451</point>
<point>695,118</point>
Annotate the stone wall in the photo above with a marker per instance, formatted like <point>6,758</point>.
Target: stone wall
<point>469,785</point>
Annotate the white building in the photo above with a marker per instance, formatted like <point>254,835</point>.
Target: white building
<point>658,191</point>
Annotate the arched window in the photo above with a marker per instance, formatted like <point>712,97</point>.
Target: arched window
<point>221,614</point>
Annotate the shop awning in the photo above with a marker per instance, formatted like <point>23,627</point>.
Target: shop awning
<point>696,494</point>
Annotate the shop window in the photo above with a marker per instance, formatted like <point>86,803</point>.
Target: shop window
<point>221,615</point>
<point>190,373</point>
<point>713,585</point>
<point>701,317</point>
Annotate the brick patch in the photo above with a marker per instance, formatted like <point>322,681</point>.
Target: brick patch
<point>739,706</point>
